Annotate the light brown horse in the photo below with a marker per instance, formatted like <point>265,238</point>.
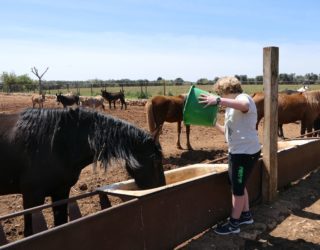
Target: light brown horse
<point>38,99</point>
<point>291,108</point>
<point>92,102</point>
<point>160,109</point>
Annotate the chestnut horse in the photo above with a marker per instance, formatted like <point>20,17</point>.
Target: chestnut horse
<point>313,112</point>
<point>160,109</point>
<point>291,107</point>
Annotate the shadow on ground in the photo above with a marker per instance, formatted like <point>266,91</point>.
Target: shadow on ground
<point>290,222</point>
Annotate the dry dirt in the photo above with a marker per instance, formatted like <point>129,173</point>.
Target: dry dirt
<point>292,221</point>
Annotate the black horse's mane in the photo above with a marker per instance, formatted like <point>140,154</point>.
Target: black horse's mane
<point>108,137</point>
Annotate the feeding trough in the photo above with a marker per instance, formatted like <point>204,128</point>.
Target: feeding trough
<point>194,198</point>
<point>173,177</point>
<point>285,145</point>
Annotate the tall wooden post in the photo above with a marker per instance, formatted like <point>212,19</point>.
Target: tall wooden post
<point>270,128</point>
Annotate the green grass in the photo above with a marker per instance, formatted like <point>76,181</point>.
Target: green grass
<point>134,92</point>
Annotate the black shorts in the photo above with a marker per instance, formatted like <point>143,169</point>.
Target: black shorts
<point>240,167</point>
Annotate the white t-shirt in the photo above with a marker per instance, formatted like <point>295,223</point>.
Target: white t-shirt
<point>240,128</point>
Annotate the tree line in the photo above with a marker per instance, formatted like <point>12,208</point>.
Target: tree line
<point>12,82</point>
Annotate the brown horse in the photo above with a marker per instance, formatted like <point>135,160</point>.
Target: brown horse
<point>313,112</point>
<point>160,109</point>
<point>291,107</point>
<point>38,99</point>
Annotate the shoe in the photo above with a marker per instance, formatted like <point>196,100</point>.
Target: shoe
<point>246,219</point>
<point>227,228</point>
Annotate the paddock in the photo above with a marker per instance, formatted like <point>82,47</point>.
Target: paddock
<point>204,151</point>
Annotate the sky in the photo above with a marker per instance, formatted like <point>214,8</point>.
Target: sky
<point>140,39</point>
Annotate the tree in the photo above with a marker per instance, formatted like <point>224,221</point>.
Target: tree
<point>34,70</point>
<point>202,81</point>
<point>259,79</point>
<point>242,78</point>
<point>179,81</point>
<point>311,78</point>
<point>24,80</point>
<point>9,79</point>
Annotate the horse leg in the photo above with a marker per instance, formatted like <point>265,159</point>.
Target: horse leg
<point>31,199</point>
<point>156,133</point>
<point>60,213</point>
<point>114,104</point>
<point>188,137</point>
<point>309,129</point>
<point>302,128</point>
<point>123,102</point>
<point>280,131</point>
<point>179,132</point>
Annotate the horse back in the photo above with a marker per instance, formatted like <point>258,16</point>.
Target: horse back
<point>291,107</point>
<point>168,108</point>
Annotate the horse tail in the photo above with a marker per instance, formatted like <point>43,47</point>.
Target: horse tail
<point>150,116</point>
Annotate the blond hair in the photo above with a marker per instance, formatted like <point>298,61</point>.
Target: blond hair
<point>227,85</point>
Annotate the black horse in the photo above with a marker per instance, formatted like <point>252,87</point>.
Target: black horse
<point>44,151</point>
<point>113,97</point>
<point>68,100</point>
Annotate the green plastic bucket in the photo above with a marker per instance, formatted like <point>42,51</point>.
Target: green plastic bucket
<point>194,112</point>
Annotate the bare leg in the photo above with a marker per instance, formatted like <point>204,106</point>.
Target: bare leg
<point>246,201</point>
<point>240,204</point>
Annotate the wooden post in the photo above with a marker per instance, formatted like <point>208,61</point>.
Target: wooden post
<point>270,127</point>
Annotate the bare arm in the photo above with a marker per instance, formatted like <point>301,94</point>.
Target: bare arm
<point>241,105</point>
<point>220,128</point>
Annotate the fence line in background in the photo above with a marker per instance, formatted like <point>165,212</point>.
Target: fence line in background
<point>136,91</point>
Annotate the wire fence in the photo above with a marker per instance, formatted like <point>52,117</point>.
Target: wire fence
<point>134,91</point>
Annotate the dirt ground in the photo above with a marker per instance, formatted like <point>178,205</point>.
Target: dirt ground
<point>292,221</point>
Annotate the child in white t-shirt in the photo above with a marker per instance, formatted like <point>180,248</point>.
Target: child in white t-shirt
<point>243,146</point>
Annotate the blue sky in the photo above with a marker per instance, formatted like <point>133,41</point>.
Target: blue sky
<point>140,39</point>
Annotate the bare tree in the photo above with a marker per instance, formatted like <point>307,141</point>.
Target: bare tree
<point>34,70</point>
